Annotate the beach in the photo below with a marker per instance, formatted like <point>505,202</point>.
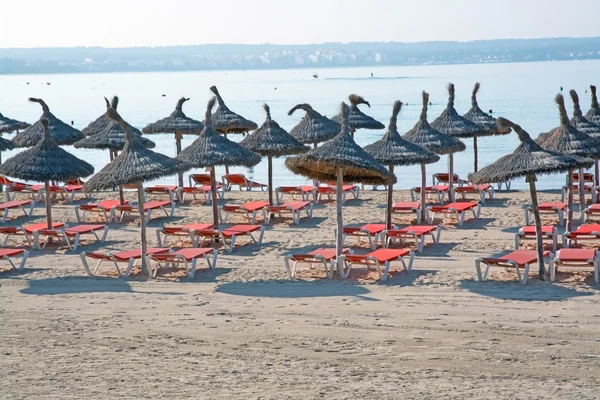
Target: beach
<point>245,330</point>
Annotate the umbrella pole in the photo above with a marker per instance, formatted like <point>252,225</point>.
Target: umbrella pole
<point>597,173</point>
<point>581,192</point>
<point>339,242</point>
<point>178,137</point>
<point>270,179</point>
<point>315,146</point>
<point>227,166</point>
<point>423,186</point>
<point>145,265</point>
<point>352,130</point>
<point>538,226</point>
<point>213,194</point>
<point>388,216</point>
<point>570,200</point>
<point>48,204</point>
<point>475,154</point>
<point>450,177</point>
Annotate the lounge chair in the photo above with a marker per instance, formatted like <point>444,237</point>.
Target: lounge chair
<point>9,205</point>
<point>74,232</point>
<point>589,186</point>
<point>443,178</point>
<point>593,209</point>
<point>241,182</point>
<point>371,231</point>
<point>105,207</point>
<point>8,254</point>
<point>378,258</point>
<point>185,256</point>
<point>200,184</point>
<point>168,207</point>
<point>315,257</point>
<point>168,190</point>
<point>179,231</point>
<point>416,232</point>
<point>15,187</point>
<point>557,209</point>
<point>583,232</point>
<point>457,210</point>
<point>249,209</point>
<point>528,232</point>
<point>304,191</point>
<point>228,234</point>
<point>331,191</point>
<point>26,231</point>
<point>439,190</point>
<point>131,257</point>
<point>73,187</point>
<point>480,190</point>
<point>575,258</point>
<point>517,259</point>
<point>408,207</point>
<point>294,208</point>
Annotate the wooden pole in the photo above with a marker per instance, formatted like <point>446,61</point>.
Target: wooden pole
<point>145,265</point>
<point>570,200</point>
<point>178,137</point>
<point>315,146</point>
<point>352,130</point>
<point>451,177</point>
<point>213,194</point>
<point>423,186</point>
<point>227,166</point>
<point>582,202</point>
<point>270,178</point>
<point>597,173</point>
<point>475,155</point>
<point>390,195</point>
<point>538,226</point>
<point>48,204</point>
<point>339,243</point>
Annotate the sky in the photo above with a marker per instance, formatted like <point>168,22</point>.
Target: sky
<point>126,23</point>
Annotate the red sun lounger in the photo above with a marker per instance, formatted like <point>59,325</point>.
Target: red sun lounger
<point>148,207</point>
<point>408,207</point>
<point>131,257</point>
<point>371,231</point>
<point>293,208</point>
<point>444,179</point>
<point>241,182</point>
<point>439,190</point>
<point>480,190</point>
<point>74,232</point>
<point>528,232</point>
<point>517,259</point>
<point>331,191</point>
<point>15,187</point>
<point>455,209</point>
<point>8,254</point>
<point>305,193</point>
<point>249,209</point>
<point>593,209</point>
<point>378,258</point>
<point>415,232</point>
<point>583,232</point>
<point>25,230</point>
<point>557,209</point>
<point>105,207</point>
<point>186,231</point>
<point>186,256</point>
<point>9,205</point>
<point>169,190</point>
<point>315,257</point>
<point>203,190</point>
<point>228,235</point>
<point>575,258</point>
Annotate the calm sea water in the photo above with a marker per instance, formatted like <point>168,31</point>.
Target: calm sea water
<point>522,92</point>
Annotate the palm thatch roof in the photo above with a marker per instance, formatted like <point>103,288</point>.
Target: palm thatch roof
<point>529,158</point>
<point>593,114</point>
<point>9,125</point>
<point>393,150</point>
<point>272,140</point>
<point>134,164</point>
<point>566,139</point>
<point>211,149</point>
<point>358,119</point>
<point>580,122</point>
<point>425,136</point>
<point>451,123</point>
<point>61,133</point>
<point>177,122</point>
<point>322,163</point>
<point>6,144</point>
<point>485,121</point>
<point>103,122</point>
<point>314,128</point>
<point>226,121</point>
<point>46,161</point>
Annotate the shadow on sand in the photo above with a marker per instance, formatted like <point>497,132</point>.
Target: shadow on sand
<point>534,290</point>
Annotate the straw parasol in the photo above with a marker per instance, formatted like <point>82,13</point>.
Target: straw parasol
<point>62,133</point>
<point>179,124</point>
<point>529,159</point>
<point>593,115</point>
<point>314,128</point>
<point>211,150</point>
<point>425,136</point>
<point>486,122</point>
<point>392,150</point>
<point>46,162</point>
<point>358,119</point>
<point>337,159</point>
<point>566,139</point>
<point>582,124</point>
<point>271,140</point>
<point>5,145</point>
<point>102,122</point>
<point>9,125</point>
<point>451,123</point>
<point>134,165</point>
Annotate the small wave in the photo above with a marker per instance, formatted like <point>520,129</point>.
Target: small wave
<point>369,78</point>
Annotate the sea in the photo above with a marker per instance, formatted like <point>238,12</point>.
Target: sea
<point>521,92</point>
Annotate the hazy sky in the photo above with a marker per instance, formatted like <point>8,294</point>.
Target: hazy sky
<point>112,23</point>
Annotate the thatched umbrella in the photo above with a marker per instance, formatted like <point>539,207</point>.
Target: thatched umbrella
<point>338,158</point>
<point>5,145</point>
<point>9,125</point>
<point>271,140</point>
<point>486,122</point>
<point>179,124</point>
<point>102,122</point>
<point>529,159</point>
<point>212,150</point>
<point>392,150</point>
<point>593,115</point>
<point>62,133</point>
<point>451,123</point>
<point>566,139</point>
<point>314,128</point>
<point>425,136</point>
<point>46,162</point>
<point>358,119</point>
<point>582,124</point>
<point>134,165</point>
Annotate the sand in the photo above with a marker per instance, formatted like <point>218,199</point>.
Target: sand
<point>245,330</point>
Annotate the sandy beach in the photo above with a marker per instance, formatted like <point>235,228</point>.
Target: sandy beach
<point>245,330</point>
